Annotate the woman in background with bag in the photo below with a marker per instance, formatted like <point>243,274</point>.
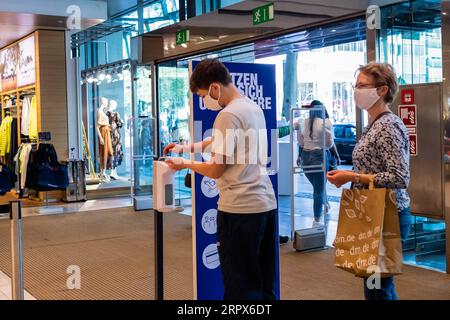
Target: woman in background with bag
<point>382,153</point>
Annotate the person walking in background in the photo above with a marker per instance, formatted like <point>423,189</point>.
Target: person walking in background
<point>310,140</point>
<point>382,153</point>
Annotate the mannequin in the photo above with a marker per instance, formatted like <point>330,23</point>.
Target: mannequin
<point>115,123</point>
<point>104,138</point>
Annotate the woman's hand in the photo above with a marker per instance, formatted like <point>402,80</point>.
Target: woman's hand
<point>340,177</point>
<point>101,141</point>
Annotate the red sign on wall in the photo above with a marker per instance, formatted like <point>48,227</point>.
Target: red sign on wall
<point>413,144</point>
<point>408,114</point>
<point>408,96</point>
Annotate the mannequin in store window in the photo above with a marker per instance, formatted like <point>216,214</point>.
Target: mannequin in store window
<point>115,124</point>
<point>105,149</point>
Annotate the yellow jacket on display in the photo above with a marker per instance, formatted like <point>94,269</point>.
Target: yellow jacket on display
<point>33,129</point>
<point>5,135</point>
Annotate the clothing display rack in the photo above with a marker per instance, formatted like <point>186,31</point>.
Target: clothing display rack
<point>36,97</point>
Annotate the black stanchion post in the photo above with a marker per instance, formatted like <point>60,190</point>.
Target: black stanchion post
<point>159,256</point>
<point>15,215</point>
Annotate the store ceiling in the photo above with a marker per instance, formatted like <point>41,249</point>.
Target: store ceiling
<point>234,23</point>
<point>14,25</point>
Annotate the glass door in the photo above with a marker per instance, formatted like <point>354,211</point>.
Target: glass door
<point>142,126</point>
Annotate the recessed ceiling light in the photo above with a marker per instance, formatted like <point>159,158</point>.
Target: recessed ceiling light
<point>334,30</point>
<point>426,21</point>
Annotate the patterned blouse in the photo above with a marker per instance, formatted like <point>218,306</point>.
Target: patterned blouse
<point>383,150</point>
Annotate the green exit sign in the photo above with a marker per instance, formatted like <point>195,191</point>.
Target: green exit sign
<point>263,14</point>
<point>182,37</point>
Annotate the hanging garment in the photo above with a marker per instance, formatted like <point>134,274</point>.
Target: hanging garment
<point>116,123</point>
<point>23,160</point>
<point>13,144</point>
<point>7,179</point>
<point>25,116</point>
<point>33,128</point>
<point>105,150</point>
<point>5,136</point>
<point>17,161</point>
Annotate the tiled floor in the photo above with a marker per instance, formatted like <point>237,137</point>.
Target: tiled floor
<point>109,203</point>
<point>303,215</point>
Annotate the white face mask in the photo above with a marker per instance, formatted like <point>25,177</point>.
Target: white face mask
<point>210,103</point>
<point>366,98</point>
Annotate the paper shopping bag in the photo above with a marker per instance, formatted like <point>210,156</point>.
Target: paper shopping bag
<point>368,234</point>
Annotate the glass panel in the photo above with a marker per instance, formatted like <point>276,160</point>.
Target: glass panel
<point>109,108</point>
<point>426,244</point>
<point>327,74</point>
<point>410,40</point>
<point>314,64</point>
<point>174,110</point>
<point>160,14</point>
<point>143,126</point>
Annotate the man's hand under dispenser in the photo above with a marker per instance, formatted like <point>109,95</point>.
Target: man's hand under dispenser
<point>176,163</point>
<point>212,169</point>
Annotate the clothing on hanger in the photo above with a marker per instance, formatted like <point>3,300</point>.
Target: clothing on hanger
<point>33,130</point>
<point>25,113</point>
<point>5,135</point>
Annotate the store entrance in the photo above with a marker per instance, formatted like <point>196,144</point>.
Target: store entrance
<point>317,64</point>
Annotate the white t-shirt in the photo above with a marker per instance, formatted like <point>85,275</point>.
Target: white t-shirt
<point>240,135</point>
<point>314,141</point>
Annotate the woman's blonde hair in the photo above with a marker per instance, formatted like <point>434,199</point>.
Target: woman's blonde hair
<point>384,75</point>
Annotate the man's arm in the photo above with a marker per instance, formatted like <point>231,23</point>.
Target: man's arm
<point>212,169</point>
<point>188,148</point>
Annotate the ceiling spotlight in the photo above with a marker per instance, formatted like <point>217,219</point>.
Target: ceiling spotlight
<point>101,76</point>
<point>90,78</point>
<point>184,45</point>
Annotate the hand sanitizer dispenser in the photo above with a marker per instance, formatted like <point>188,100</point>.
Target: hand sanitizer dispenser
<point>163,186</point>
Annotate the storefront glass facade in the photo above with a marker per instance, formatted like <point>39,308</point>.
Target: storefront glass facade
<point>411,40</point>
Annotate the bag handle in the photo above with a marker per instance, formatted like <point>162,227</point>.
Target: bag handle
<point>371,183</point>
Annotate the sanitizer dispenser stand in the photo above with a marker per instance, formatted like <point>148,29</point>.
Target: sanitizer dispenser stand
<point>163,202</point>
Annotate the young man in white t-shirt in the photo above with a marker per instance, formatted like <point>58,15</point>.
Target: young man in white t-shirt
<point>246,219</point>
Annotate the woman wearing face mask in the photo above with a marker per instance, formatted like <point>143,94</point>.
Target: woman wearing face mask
<point>382,153</point>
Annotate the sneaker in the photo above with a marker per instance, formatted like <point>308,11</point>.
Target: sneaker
<point>317,224</point>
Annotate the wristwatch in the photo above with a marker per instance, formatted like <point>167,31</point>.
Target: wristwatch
<point>357,178</point>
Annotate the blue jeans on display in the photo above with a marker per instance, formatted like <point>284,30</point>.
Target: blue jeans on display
<point>387,290</point>
<point>317,179</point>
